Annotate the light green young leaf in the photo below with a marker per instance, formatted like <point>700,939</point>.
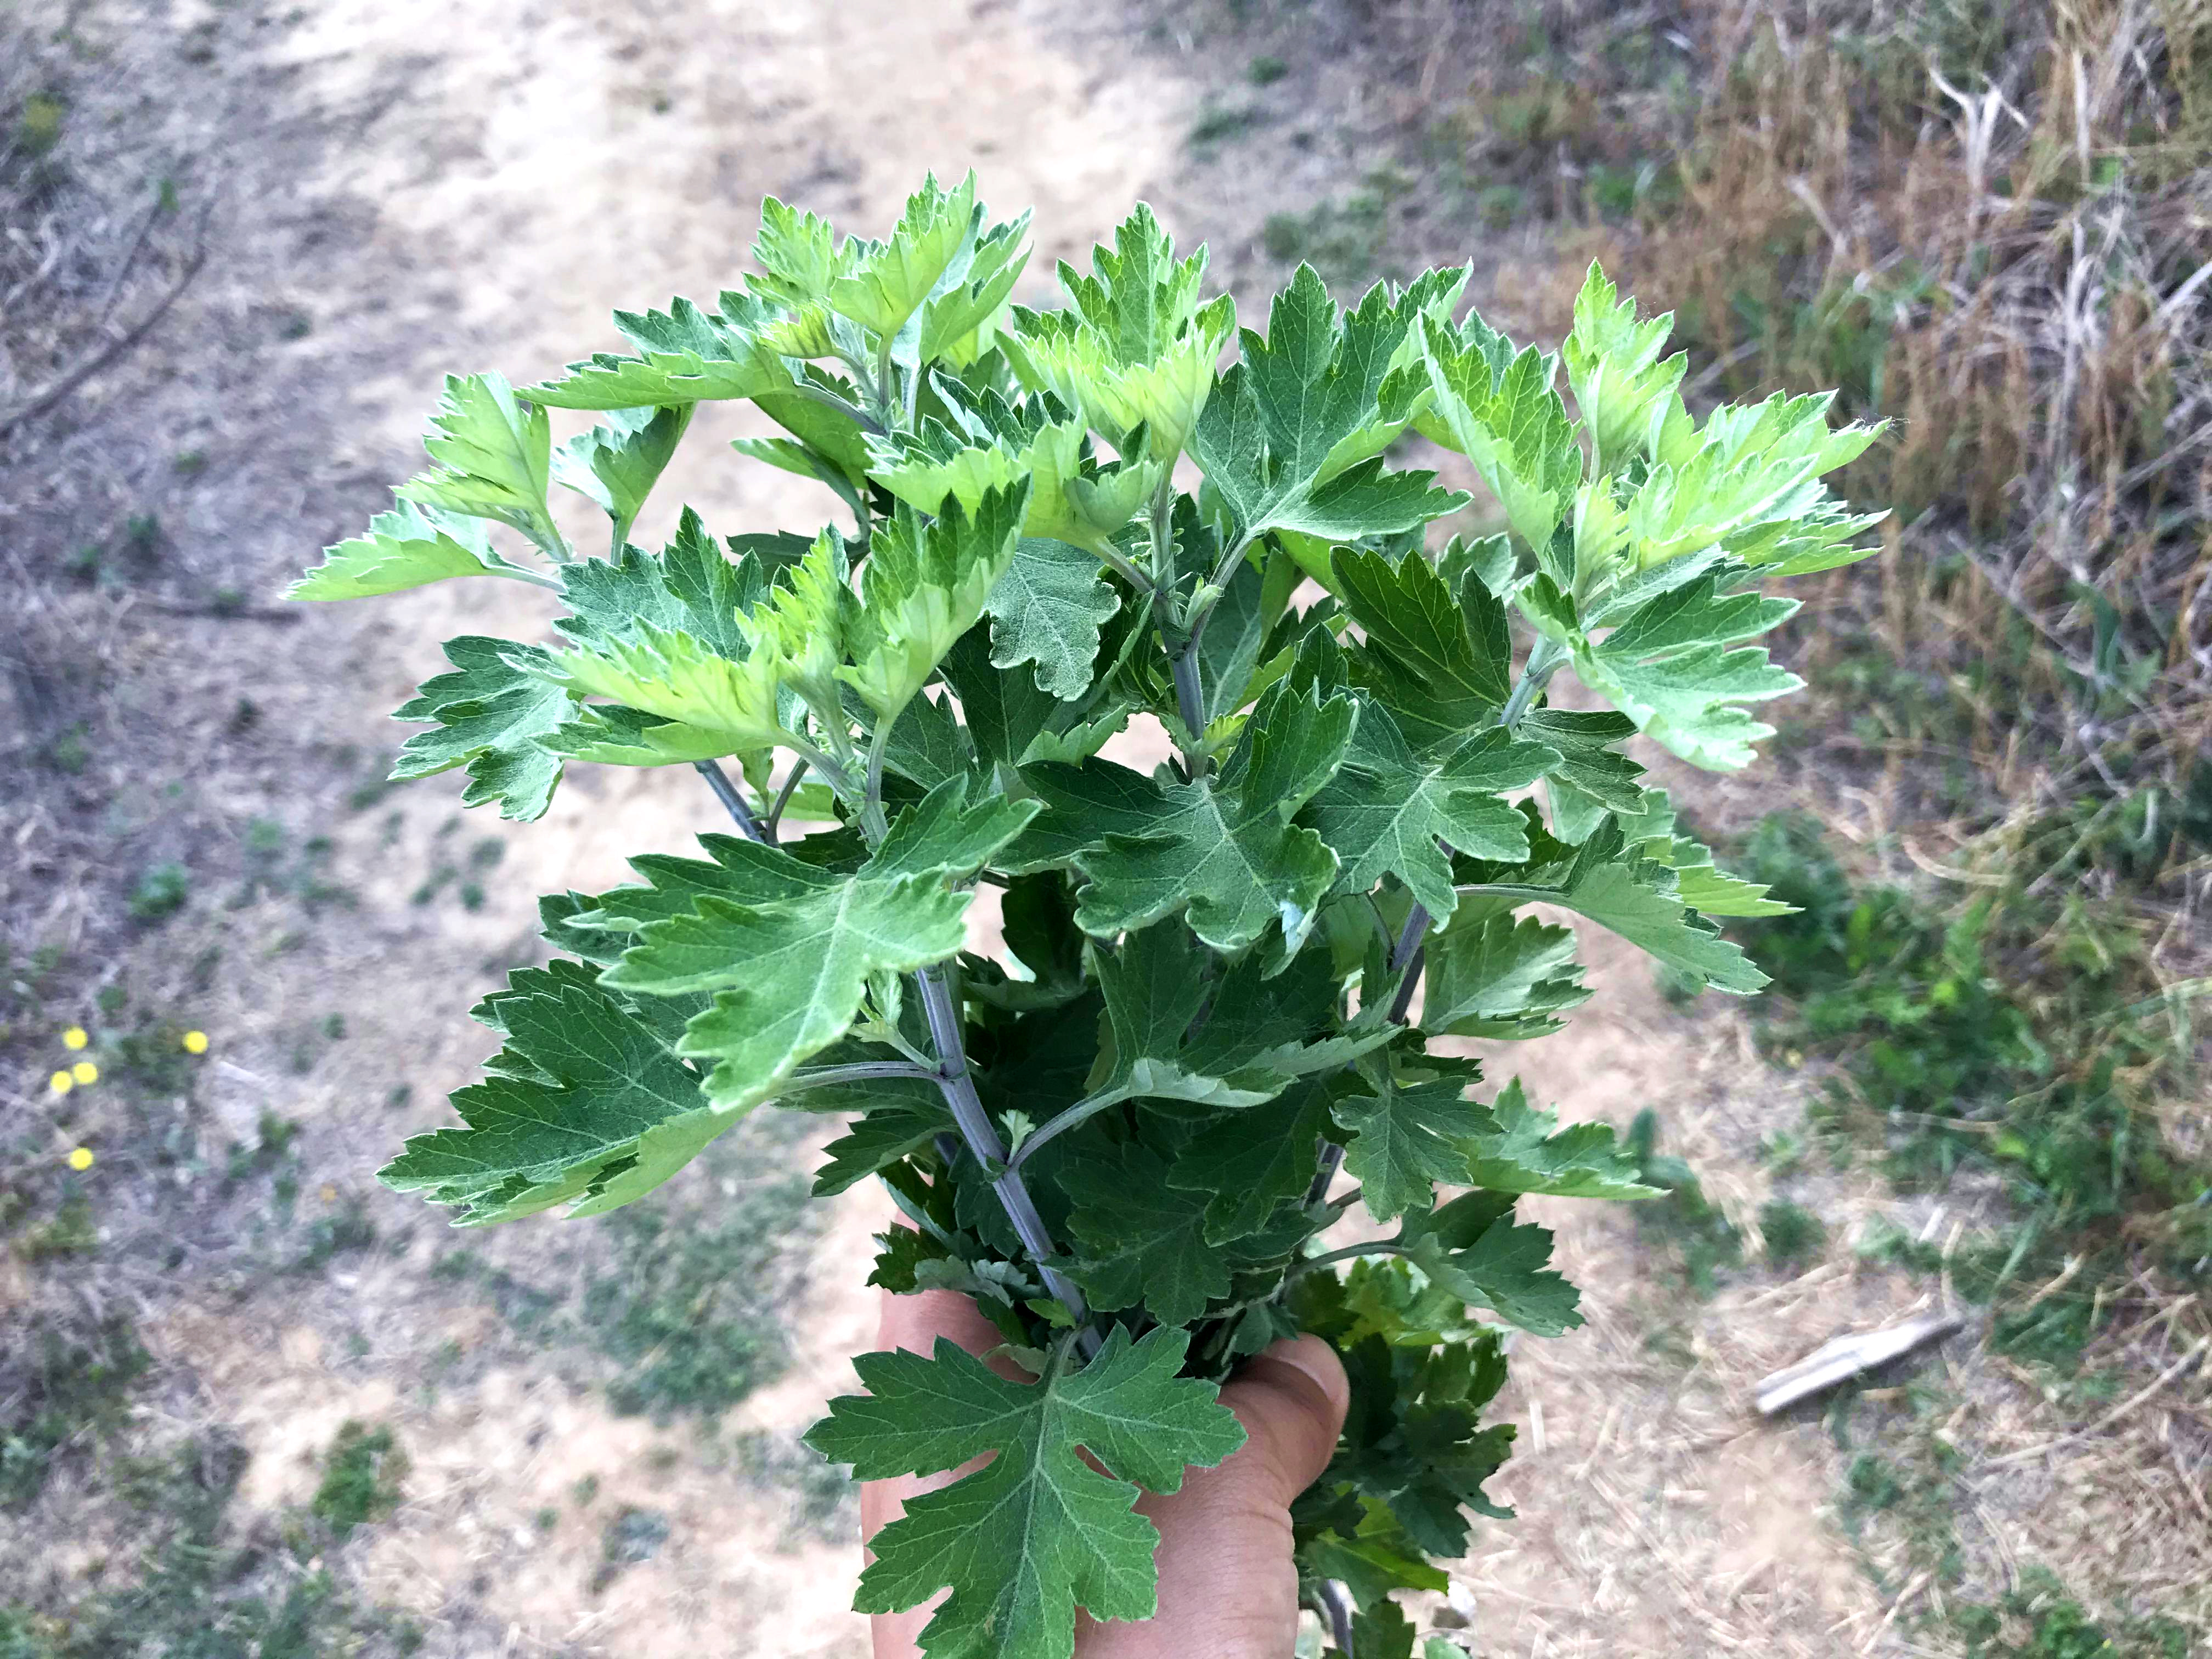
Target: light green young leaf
<point>1613,365</point>
<point>1490,976</point>
<point>685,355</point>
<point>1292,437</point>
<point>496,714</point>
<point>1528,1153</point>
<point>924,587</point>
<point>407,547</point>
<point>618,462</point>
<point>1039,1530</point>
<point>1047,610</point>
<point>584,1103</point>
<point>893,279</point>
<point>1649,832</point>
<point>1503,413</point>
<point>495,458</point>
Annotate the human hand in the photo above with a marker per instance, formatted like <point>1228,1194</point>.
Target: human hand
<point>1228,1588</point>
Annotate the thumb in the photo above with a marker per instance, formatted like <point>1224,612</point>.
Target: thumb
<point>1292,1398</point>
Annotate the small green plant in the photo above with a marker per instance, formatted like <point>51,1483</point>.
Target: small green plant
<point>1264,71</point>
<point>1123,1133</point>
<point>361,1478</point>
<point>161,891</point>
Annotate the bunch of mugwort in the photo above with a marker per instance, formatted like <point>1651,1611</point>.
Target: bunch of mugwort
<point>1130,1131</point>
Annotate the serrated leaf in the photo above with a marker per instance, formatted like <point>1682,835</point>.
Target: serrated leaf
<point>1704,887</point>
<point>1529,1153</point>
<point>686,355</point>
<point>690,586</point>
<point>496,714</point>
<point>892,279</point>
<point>1387,808</point>
<point>1139,1240</point>
<point>495,457</point>
<point>1613,363</point>
<point>1222,854</point>
<point>410,546</point>
<point>1440,661</point>
<point>1252,1161</point>
<point>1638,898</point>
<point>1472,1248</point>
<point>1047,610</point>
<point>1291,437</point>
<point>584,1103</point>
<point>618,462</point>
<point>1039,1530</point>
<point>1490,976</point>
<point>1405,1137</point>
<point>1503,413</point>
<point>925,585</point>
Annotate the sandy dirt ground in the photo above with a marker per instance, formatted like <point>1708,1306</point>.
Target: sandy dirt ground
<point>531,165</point>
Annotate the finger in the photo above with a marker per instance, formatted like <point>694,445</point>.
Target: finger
<point>1228,1587</point>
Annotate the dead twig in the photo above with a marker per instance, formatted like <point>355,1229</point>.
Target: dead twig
<point>2030,1453</point>
<point>68,381</point>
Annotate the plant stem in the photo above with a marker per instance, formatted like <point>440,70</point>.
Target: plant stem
<point>859,1072</point>
<point>983,1142</point>
<point>1190,699</point>
<point>1350,1252</point>
<point>1338,1610</point>
<point>830,399</point>
<point>958,1087</point>
<point>1409,956</point>
<point>727,793</point>
<point>1064,1120</point>
<point>783,800</point>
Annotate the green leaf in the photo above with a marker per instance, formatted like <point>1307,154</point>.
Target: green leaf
<point>1222,854</point>
<point>1674,665</point>
<point>1047,610</point>
<point>1490,976</point>
<point>704,705</point>
<point>618,462</point>
<point>583,1104</point>
<point>1291,438</point>
<point>1253,1162</point>
<point>1039,1530</point>
<point>685,355</point>
<point>1154,985</point>
<point>1651,832</point>
<point>1503,413</point>
<point>893,279</point>
<point>496,714</point>
<point>1405,1137</point>
<point>1472,1248</point>
<point>494,456</point>
<point>1136,350</point>
<point>1524,1155</point>
<point>408,547</point>
<point>1613,362</point>
<point>1384,1632</point>
<point>689,587</point>
<point>1638,898</point>
<point>1387,808</point>
<point>785,950</point>
<point>1139,1240</point>
<point>1441,662</point>
<point>925,585</point>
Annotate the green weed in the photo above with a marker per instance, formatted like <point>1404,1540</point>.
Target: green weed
<point>1708,1242</point>
<point>361,1478</point>
<point>74,1385</point>
<point>1221,124</point>
<point>160,892</point>
<point>1264,71</point>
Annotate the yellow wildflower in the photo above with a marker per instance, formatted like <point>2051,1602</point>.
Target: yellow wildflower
<point>85,1071</point>
<point>61,1083</point>
<point>80,1159</point>
<point>196,1043</point>
<point>75,1037</point>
